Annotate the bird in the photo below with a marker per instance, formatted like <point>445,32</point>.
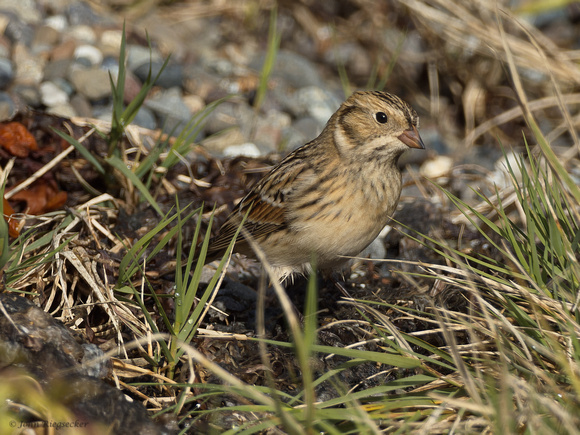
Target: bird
<point>331,197</point>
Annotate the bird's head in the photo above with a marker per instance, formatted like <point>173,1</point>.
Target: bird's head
<point>375,126</point>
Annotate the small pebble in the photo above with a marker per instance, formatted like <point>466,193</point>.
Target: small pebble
<point>168,105</point>
<point>81,106</point>
<point>51,95</point>
<point>7,107</point>
<point>145,118</point>
<point>89,52</point>
<point>246,149</point>
<point>6,73</point>
<point>30,95</point>
<point>171,76</point>
<point>29,69</point>
<point>293,68</point>
<point>194,103</point>
<point>111,42</point>
<point>138,55</point>
<point>93,83</point>
<point>83,34</point>
<point>315,102</point>
<point>440,166</point>
<point>376,250</point>
<point>44,38</point>
<point>57,22</point>
<point>27,10</point>
<point>64,109</point>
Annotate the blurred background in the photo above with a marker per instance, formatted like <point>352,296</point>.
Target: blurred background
<point>447,58</point>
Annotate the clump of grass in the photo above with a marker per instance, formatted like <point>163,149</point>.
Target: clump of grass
<point>30,251</point>
<point>138,174</point>
<point>517,370</point>
<point>190,303</point>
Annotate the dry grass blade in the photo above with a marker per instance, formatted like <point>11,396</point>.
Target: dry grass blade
<point>472,26</point>
<point>517,112</point>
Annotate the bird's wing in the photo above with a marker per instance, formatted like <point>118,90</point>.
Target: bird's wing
<point>265,206</point>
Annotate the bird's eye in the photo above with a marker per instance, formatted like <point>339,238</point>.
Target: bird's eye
<point>381,117</point>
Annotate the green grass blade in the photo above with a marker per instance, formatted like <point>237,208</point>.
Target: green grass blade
<point>121,166</point>
<point>83,151</point>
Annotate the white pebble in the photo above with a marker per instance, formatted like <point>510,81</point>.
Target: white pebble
<point>93,54</point>
<point>63,110</point>
<point>57,22</point>
<point>51,95</point>
<point>194,103</point>
<point>112,39</point>
<point>437,167</point>
<point>84,34</point>
<point>245,149</point>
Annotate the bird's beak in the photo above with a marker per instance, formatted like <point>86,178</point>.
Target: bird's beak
<point>411,138</point>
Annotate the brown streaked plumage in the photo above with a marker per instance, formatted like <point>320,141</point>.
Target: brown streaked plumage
<point>332,196</point>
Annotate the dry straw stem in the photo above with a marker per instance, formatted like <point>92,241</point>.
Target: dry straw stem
<point>472,25</point>
<point>516,112</point>
<point>56,160</point>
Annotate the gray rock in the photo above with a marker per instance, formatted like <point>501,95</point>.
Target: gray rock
<point>295,69</point>
<point>110,64</point>
<point>5,51</point>
<point>353,56</point>
<point>28,95</point>
<point>6,73</point>
<point>81,106</point>
<point>171,76</point>
<point>300,132</point>
<point>138,55</point>
<point>18,31</point>
<point>65,85</point>
<point>45,37</point>
<point>57,69</point>
<point>81,13</point>
<point>219,66</point>
<point>103,112</point>
<point>29,69</point>
<point>169,107</point>
<point>93,83</point>
<point>267,133</point>
<point>433,140</point>
<point>484,156</point>
<point>26,10</point>
<point>51,353</point>
<point>575,174</point>
<point>314,102</point>
<point>376,250</point>
<point>198,81</point>
<point>229,114</point>
<point>145,118</point>
<point>83,62</point>
<point>7,107</point>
